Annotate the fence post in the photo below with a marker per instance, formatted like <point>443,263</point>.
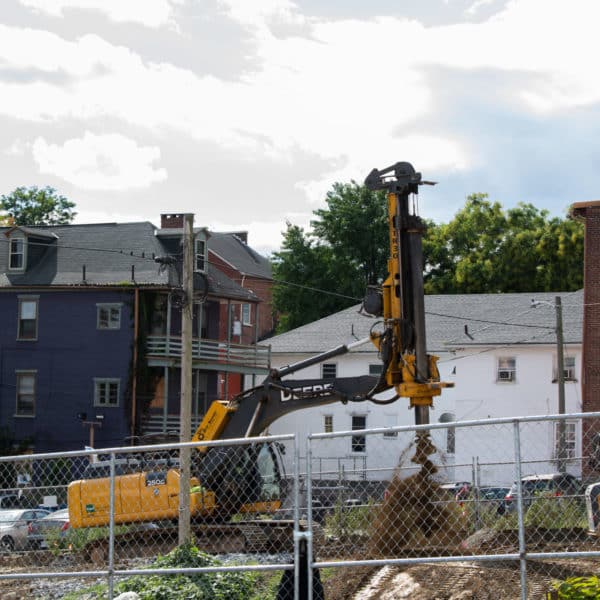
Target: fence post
<point>518,475</point>
<point>309,549</point>
<point>296,467</point>
<point>111,529</point>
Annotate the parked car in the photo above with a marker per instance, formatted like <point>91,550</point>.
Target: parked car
<point>459,490</point>
<point>14,524</point>
<point>552,484</point>
<point>493,493</point>
<point>52,524</point>
<point>9,500</point>
<point>493,498</point>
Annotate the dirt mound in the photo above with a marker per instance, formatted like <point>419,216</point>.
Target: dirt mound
<point>415,517</point>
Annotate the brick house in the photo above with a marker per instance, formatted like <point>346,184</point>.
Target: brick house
<point>90,334</point>
<point>589,213</point>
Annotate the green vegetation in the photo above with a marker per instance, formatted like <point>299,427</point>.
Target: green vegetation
<point>550,512</point>
<point>201,586</point>
<point>578,588</point>
<point>77,539</point>
<point>545,512</point>
<point>344,520</point>
<point>35,206</point>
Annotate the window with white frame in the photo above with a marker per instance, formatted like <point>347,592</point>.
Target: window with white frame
<point>569,372</point>
<point>16,260</point>
<point>106,392</point>
<point>28,318</point>
<point>570,439</point>
<point>359,442</point>
<point>25,384</point>
<point>507,369</point>
<point>329,370</point>
<point>108,316</point>
<point>246,313</point>
<point>328,423</point>
<point>200,255</point>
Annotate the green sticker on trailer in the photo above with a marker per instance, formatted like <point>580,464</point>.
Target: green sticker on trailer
<point>90,508</point>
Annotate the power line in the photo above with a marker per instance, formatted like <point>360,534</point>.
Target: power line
<point>495,348</point>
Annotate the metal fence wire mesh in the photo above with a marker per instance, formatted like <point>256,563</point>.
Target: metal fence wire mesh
<point>495,509</point>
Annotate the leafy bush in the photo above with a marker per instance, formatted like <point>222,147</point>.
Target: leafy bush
<point>578,588</point>
<point>546,511</point>
<point>554,512</point>
<point>78,539</point>
<point>201,586</point>
<point>346,520</point>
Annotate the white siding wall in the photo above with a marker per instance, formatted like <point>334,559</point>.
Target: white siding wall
<point>477,395</point>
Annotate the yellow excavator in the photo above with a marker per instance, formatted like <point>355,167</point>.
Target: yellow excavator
<point>236,479</point>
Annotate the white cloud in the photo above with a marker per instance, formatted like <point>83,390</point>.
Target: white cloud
<point>100,162</point>
<point>18,148</point>
<point>474,8</point>
<point>259,13</point>
<point>350,94</point>
<point>151,13</point>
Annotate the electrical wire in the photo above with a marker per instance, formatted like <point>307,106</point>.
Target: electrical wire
<point>495,348</point>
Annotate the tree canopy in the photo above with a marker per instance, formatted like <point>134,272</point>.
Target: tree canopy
<point>483,249</point>
<point>35,206</point>
<point>328,270</point>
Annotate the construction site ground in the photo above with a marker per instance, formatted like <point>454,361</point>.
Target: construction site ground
<point>460,580</point>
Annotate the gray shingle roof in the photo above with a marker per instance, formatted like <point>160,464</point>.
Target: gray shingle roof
<point>108,251</point>
<point>491,319</point>
<point>246,260</point>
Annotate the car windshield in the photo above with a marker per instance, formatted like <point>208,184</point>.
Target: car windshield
<point>540,485</point>
<point>7,516</point>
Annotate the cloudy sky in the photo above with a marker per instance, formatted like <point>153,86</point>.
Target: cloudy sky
<point>244,112</point>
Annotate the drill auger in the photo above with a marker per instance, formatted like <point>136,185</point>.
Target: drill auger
<point>401,302</point>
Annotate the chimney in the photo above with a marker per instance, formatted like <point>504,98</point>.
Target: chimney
<point>589,213</point>
<point>171,221</point>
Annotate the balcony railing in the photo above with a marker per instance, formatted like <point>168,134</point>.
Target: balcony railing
<point>213,353</point>
<point>155,424</point>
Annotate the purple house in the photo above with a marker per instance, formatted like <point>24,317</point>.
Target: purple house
<point>90,333</point>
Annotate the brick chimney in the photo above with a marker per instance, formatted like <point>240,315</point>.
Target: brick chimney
<point>589,213</point>
<point>171,221</point>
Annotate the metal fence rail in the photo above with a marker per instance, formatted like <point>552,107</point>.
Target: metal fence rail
<point>505,511</point>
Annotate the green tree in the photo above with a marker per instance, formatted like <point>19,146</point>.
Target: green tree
<point>37,206</point>
<point>302,269</point>
<point>485,249</point>
<point>354,225</point>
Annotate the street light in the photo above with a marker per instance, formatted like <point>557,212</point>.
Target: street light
<point>560,363</point>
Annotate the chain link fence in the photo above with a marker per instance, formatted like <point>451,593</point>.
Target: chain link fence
<point>494,509</point>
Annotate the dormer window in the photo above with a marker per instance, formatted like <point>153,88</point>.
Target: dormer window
<point>16,261</point>
<point>200,255</point>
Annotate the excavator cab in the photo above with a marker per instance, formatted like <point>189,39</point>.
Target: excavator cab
<point>250,478</point>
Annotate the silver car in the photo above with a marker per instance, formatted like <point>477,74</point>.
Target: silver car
<point>14,525</point>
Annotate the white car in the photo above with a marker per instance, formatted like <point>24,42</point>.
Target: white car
<point>14,527</point>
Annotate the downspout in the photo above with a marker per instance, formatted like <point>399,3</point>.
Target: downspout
<point>226,392</point>
<point>136,331</point>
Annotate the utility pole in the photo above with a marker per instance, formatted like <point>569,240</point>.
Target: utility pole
<point>560,363</point>
<point>185,425</point>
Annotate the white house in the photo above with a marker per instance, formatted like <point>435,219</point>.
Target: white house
<point>499,350</point>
